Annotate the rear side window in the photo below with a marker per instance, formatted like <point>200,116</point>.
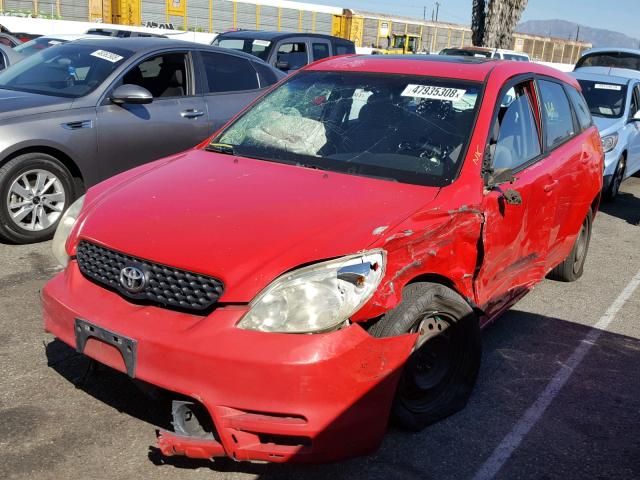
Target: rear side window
<point>580,107</point>
<point>556,113</point>
<point>295,54</point>
<point>2,64</point>
<point>265,74</point>
<point>320,50</point>
<point>228,73</point>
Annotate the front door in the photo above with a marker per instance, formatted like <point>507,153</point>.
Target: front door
<point>517,215</point>
<point>633,162</point>
<point>176,120</point>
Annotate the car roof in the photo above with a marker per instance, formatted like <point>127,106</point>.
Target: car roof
<point>272,35</point>
<point>145,44</point>
<point>590,73</point>
<point>443,66</point>
<point>634,51</point>
<point>66,36</point>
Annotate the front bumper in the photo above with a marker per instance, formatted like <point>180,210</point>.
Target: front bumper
<point>273,397</point>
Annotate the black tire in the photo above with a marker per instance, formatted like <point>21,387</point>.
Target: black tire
<point>572,267</point>
<point>439,375</point>
<point>12,170</point>
<point>613,189</point>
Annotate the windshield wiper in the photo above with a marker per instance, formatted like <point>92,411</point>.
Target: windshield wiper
<point>220,148</point>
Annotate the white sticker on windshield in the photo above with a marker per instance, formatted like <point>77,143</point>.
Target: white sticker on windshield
<point>434,93</point>
<point>608,86</point>
<point>108,56</point>
<point>54,42</point>
<point>262,43</point>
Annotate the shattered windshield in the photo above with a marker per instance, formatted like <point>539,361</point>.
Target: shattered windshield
<point>410,129</point>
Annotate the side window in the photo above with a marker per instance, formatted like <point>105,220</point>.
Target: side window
<point>164,75</point>
<point>265,74</point>
<point>320,50</point>
<point>342,50</point>
<point>294,54</point>
<point>228,73</point>
<point>635,101</point>
<point>2,63</point>
<point>516,140</point>
<point>556,113</point>
<point>580,107</point>
<point>5,41</point>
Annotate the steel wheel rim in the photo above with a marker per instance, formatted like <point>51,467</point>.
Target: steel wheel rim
<point>432,360</point>
<point>36,200</point>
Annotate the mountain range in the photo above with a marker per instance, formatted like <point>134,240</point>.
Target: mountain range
<point>599,37</point>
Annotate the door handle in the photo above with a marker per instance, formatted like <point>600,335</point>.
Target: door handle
<point>191,113</point>
<point>549,186</point>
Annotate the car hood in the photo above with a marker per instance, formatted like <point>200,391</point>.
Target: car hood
<point>242,220</point>
<point>607,126</point>
<point>19,104</point>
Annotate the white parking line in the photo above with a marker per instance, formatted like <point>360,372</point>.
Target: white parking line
<point>501,454</point>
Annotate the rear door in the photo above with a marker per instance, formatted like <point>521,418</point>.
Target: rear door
<point>230,83</point>
<point>176,120</point>
<point>518,215</point>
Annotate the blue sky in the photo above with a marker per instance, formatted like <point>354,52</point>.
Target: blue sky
<point>618,15</point>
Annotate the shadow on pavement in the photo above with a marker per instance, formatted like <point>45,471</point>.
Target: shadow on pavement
<point>626,206</point>
<point>589,431</point>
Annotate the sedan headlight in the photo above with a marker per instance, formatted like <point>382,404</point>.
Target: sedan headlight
<point>63,231</point>
<point>317,298</point>
<point>609,142</point>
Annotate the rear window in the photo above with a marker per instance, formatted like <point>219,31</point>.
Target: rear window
<point>611,60</point>
<point>255,47</point>
<point>604,99</point>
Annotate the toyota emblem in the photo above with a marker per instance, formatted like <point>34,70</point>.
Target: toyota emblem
<point>132,279</point>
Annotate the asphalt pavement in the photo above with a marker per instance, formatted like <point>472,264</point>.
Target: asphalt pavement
<point>536,413</point>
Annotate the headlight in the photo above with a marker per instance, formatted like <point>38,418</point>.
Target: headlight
<point>609,142</point>
<point>316,298</point>
<point>63,231</point>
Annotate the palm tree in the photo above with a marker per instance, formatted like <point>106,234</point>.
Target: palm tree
<point>493,22</point>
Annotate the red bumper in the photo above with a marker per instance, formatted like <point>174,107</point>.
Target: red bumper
<point>274,397</point>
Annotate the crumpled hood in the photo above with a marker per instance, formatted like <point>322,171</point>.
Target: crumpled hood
<point>20,104</point>
<point>241,220</point>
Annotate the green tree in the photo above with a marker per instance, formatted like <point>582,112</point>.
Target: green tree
<point>493,22</point>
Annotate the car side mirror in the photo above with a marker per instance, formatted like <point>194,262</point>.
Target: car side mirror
<point>282,65</point>
<point>131,94</point>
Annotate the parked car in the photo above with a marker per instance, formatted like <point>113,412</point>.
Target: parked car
<point>8,57</point>
<point>497,53</point>
<point>79,112</point>
<point>287,51</point>
<point>121,33</point>
<point>9,40</point>
<point>336,246</point>
<point>614,103</point>
<point>624,62</point>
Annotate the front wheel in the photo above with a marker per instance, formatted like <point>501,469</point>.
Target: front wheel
<point>616,180</point>
<point>440,373</point>
<point>35,190</point>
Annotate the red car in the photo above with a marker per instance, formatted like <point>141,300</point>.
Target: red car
<point>330,256</point>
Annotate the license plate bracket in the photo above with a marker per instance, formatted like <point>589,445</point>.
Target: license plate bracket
<point>126,346</point>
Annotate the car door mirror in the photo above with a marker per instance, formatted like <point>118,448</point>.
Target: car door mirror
<point>282,65</point>
<point>131,94</point>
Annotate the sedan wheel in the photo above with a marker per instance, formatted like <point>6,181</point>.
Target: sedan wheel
<point>36,200</point>
<point>35,190</point>
<point>616,180</point>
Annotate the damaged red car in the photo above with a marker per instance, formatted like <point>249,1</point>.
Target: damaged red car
<point>329,257</point>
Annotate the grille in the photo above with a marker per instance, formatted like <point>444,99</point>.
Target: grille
<point>163,285</point>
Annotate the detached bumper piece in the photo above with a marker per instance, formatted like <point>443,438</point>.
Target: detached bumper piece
<point>171,444</point>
